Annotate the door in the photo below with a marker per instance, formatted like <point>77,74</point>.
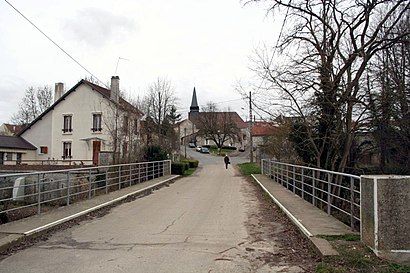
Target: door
<point>96,151</point>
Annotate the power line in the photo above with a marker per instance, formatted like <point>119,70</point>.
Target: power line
<point>51,40</point>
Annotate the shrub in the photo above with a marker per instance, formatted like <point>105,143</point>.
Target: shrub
<point>192,163</point>
<point>229,148</point>
<point>179,167</point>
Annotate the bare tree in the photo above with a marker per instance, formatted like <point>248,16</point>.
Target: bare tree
<point>157,106</point>
<point>323,54</point>
<point>34,102</point>
<point>217,126</point>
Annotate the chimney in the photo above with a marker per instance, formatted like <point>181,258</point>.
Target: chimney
<point>115,88</point>
<point>58,90</point>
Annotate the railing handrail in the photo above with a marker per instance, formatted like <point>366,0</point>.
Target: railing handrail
<point>80,169</point>
<point>330,190</point>
<point>315,169</point>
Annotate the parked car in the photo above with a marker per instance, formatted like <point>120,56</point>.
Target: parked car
<point>204,150</point>
<point>242,149</point>
<point>198,149</point>
<point>191,145</point>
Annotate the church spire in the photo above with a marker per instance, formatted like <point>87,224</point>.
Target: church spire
<point>194,109</point>
<point>194,103</point>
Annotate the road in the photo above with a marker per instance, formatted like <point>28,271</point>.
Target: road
<point>208,222</point>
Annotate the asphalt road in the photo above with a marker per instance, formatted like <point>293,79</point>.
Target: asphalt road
<point>207,222</point>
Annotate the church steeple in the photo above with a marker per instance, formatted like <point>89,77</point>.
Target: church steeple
<point>194,103</point>
<point>194,109</point>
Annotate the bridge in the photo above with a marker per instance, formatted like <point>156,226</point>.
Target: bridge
<point>211,221</point>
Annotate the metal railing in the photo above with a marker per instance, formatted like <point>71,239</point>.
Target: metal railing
<point>38,191</point>
<point>336,193</point>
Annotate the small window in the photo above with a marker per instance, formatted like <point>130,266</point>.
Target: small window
<point>96,123</point>
<point>136,127</point>
<point>125,124</point>
<point>43,149</point>
<point>18,158</point>
<point>68,123</point>
<point>67,150</point>
<point>9,156</point>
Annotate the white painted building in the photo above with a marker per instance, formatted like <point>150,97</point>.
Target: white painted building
<point>84,123</point>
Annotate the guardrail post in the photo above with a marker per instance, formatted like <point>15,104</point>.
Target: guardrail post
<point>119,177</point>
<point>130,174</point>
<point>106,180</point>
<point>287,176</point>
<point>294,179</point>
<point>314,188</point>
<point>38,195</point>
<point>302,180</point>
<point>68,188</point>
<point>329,191</point>
<point>89,184</point>
<point>352,203</point>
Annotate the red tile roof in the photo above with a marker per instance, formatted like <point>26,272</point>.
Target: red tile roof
<point>263,128</point>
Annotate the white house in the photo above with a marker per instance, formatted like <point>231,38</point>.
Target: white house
<point>85,123</point>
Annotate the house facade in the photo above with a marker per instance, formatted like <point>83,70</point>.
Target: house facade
<point>14,150</point>
<point>88,124</point>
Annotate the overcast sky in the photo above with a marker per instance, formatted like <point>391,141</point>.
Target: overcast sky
<point>206,44</point>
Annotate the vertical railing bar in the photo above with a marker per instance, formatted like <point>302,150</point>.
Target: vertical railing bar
<point>302,181</point>
<point>130,175</point>
<point>329,190</point>
<point>39,194</point>
<point>68,188</point>
<point>351,203</point>
<point>89,184</point>
<point>106,181</point>
<point>294,179</point>
<point>314,187</point>
<point>119,177</point>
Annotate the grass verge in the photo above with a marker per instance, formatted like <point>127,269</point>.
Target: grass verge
<point>249,168</point>
<point>356,257</point>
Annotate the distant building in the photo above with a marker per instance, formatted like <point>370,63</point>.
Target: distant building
<point>7,129</point>
<point>189,129</point>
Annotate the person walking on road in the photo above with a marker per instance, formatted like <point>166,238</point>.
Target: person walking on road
<point>226,160</point>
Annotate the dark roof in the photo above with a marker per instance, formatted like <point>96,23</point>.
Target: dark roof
<point>103,91</point>
<point>15,142</point>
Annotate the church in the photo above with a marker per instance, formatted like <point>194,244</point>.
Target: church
<point>191,129</point>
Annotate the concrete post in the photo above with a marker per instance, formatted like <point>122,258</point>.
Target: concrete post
<point>385,216</point>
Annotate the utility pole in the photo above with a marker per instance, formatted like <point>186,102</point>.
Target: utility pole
<point>250,126</point>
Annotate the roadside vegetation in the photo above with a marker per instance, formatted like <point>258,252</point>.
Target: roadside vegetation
<point>184,167</point>
<point>356,257</point>
<point>249,168</point>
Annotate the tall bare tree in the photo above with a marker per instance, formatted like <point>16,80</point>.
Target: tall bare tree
<point>34,102</point>
<point>157,106</point>
<point>322,56</point>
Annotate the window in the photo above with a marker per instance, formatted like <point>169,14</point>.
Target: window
<point>96,123</point>
<point>125,125</point>
<point>43,149</point>
<point>136,127</point>
<point>18,159</point>
<point>68,123</point>
<point>66,150</point>
<point>9,156</point>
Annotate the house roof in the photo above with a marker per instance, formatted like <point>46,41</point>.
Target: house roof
<point>15,142</point>
<point>220,115</point>
<point>263,128</point>
<point>103,91</point>
<point>13,128</point>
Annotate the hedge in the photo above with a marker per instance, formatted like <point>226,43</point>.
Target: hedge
<point>192,163</point>
<point>179,167</point>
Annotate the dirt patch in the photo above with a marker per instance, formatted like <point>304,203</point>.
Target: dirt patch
<point>275,244</point>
